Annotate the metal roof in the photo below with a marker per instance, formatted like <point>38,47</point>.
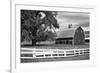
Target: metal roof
<point>70,33</point>
<point>66,33</point>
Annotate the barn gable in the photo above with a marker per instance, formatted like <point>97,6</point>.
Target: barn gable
<point>79,36</point>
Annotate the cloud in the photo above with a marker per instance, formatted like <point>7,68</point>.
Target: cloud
<point>83,24</point>
<point>74,18</point>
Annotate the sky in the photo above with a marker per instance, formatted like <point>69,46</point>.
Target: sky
<point>75,18</point>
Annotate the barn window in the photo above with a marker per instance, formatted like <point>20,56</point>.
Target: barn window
<point>70,41</point>
<point>66,41</point>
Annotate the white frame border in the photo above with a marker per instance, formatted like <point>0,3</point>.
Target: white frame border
<point>13,36</point>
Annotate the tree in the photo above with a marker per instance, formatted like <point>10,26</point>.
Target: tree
<point>34,26</point>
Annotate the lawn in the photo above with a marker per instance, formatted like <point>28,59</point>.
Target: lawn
<point>74,58</point>
<point>56,46</point>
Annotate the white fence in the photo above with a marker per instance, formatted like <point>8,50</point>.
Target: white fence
<point>50,53</point>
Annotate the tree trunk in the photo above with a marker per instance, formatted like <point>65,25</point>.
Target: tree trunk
<point>33,42</point>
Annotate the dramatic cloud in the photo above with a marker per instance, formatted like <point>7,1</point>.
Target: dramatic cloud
<point>74,18</point>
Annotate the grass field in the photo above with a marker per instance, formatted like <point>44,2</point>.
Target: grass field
<point>57,46</point>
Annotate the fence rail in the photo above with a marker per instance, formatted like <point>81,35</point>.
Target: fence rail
<point>51,53</point>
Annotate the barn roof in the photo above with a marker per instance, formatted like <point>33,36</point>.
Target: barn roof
<point>68,33</point>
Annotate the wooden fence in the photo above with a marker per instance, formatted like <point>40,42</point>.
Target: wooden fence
<point>51,53</point>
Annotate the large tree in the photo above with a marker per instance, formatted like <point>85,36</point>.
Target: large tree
<point>36,25</point>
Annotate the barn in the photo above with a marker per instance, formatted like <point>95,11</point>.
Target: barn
<point>71,36</point>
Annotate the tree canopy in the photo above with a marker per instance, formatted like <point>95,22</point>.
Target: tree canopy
<point>38,25</point>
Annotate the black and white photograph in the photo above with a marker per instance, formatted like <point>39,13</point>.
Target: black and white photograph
<point>50,36</point>
<point>47,37</point>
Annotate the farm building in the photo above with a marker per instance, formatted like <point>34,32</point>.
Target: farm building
<point>71,36</point>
